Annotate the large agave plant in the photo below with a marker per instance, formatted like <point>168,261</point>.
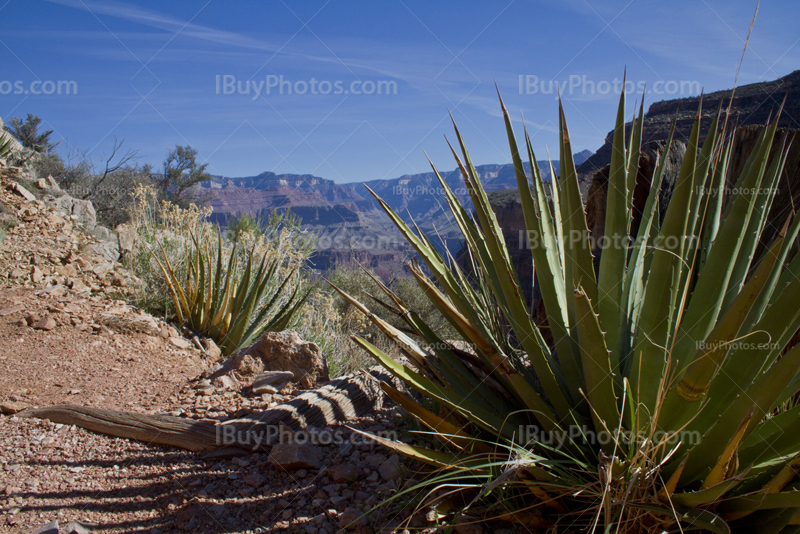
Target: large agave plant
<point>231,307</point>
<point>654,410</point>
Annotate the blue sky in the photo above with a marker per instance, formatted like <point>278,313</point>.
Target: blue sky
<point>155,73</point>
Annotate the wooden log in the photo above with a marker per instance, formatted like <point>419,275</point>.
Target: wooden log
<point>338,401</point>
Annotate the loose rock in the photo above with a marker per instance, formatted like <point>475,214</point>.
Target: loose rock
<point>291,456</point>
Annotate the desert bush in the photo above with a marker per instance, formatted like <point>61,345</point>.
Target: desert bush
<point>181,174</point>
<point>27,133</point>
<point>651,412</point>
<point>156,223</point>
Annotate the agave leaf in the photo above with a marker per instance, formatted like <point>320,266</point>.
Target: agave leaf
<point>503,370</point>
<point>768,521</point>
<point>182,301</point>
<point>683,401</point>
<point>661,293</point>
<point>453,370</point>
<point>763,193</point>
<point>173,288</point>
<point>695,499</point>
<point>555,189</point>
<point>443,428</point>
<point>665,493</point>
<point>753,404</point>
<point>636,275</point>
<point>614,257</point>
<point>718,471</point>
<point>596,370</point>
<point>436,458</point>
<point>702,519</point>
<point>771,428</point>
<point>508,293</point>
<point>546,260</point>
<point>417,356</point>
<point>713,216</point>
<point>765,342</point>
<point>697,210</point>
<point>703,308</point>
<point>764,501</point>
<point>494,423</point>
<point>790,236</point>
<point>634,152</point>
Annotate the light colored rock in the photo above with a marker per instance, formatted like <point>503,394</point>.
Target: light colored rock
<point>108,250</point>
<point>101,232</point>
<point>36,275</point>
<point>126,323</point>
<point>62,204</point>
<point>67,270</point>
<point>126,239</point>
<point>84,211</point>
<point>24,193</point>
<point>211,349</point>
<point>103,268</point>
<point>224,381</point>
<point>284,351</point>
<point>41,183</point>
<point>291,456</point>
<point>271,382</point>
<point>52,184</point>
<point>180,342</point>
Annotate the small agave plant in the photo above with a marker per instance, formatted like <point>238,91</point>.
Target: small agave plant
<point>662,404</point>
<point>230,306</point>
<point>5,144</point>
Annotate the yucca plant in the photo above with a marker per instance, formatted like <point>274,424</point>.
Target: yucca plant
<point>231,307</point>
<point>5,144</point>
<point>654,408</point>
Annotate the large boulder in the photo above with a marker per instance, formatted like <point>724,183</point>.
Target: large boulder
<point>84,211</point>
<point>281,351</point>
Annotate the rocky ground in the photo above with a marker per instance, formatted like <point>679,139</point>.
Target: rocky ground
<point>67,336</point>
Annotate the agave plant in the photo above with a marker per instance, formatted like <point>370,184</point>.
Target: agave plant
<point>5,144</point>
<point>231,307</point>
<point>654,407</point>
